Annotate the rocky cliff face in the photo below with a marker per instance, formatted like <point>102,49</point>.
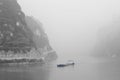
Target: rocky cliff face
<point>40,38</point>
<point>19,33</point>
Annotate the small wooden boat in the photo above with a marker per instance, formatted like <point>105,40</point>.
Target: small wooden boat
<point>67,64</point>
<point>61,65</point>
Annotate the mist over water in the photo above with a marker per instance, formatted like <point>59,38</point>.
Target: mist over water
<point>74,27</point>
<point>77,30</point>
<point>108,40</point>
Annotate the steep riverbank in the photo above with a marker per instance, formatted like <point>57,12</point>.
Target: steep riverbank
<point>33,56</point>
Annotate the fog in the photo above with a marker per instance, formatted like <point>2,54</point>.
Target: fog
<point>75,27</point>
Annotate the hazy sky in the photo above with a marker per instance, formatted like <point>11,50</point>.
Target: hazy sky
<point>72,25</point>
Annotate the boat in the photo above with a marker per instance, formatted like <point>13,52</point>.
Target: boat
<point>61,65</point>
<point>70,63</point>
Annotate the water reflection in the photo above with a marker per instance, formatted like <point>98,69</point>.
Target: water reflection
<point>89,69</point>
<point>24,72</point>
<point>109,70</point>
<point>94,69</point>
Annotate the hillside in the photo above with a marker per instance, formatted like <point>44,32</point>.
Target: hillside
<point>21,36</point>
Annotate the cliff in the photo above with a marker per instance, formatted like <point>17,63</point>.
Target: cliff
<point>20,35</point>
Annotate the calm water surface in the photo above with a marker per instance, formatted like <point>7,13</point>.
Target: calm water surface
<point>87,69</point>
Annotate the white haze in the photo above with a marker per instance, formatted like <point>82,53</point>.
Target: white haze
<point>72,25</point>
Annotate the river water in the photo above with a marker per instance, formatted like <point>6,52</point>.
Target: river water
<point>84,69</point>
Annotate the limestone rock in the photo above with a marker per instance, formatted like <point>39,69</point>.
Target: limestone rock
<point>14,33</point>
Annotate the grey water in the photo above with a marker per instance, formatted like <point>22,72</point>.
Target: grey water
<point>86,68</point>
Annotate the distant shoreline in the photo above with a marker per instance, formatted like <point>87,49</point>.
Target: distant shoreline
<point>22,61</point>
<point>31,57</point>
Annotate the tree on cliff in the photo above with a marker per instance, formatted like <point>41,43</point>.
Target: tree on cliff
<point>19,32</point>
<point>14,33</point>
<point>40,37</point>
